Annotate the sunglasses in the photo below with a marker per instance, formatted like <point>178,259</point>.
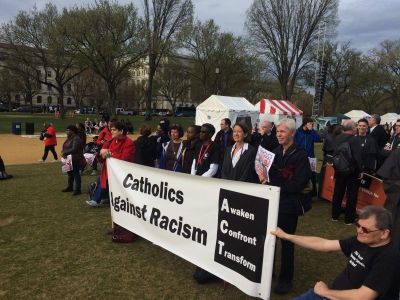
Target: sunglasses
<point>203,131</point>
<point>365,230</point>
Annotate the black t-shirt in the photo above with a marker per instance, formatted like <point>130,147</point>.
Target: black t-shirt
<point>205,156</point>
<point>374,267</point>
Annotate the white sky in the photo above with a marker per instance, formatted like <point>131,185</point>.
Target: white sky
<point>366,23</point>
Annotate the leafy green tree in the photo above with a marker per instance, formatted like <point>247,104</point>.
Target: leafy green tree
<point>108,38</point>
<point>38,43</point>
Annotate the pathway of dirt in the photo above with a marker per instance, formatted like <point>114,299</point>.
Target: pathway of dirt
<point>20,150</point>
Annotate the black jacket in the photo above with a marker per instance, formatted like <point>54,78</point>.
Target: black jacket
<point>268,142</point>
<point>244,169</point>
<point>380,136</point>
<point>219,139</point>
<point>355,149</point>
<point>145,151</point>
<point>291,172</point>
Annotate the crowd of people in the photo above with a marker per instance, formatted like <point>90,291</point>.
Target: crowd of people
<point>365,146</point>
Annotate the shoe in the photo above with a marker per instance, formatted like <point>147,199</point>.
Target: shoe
<point>334,220</point>
<point>104,201</point>
<point>68,189</point>
<point>77,192</point>
<point>54,160</point>
<point>283,287</point>
<point>349,224</point>
<point>40,161</point>
<point>92,203</point>
<point>94,173</point>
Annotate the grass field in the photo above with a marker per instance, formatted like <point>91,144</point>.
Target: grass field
<point>6,120</point>
<point>53,246</point>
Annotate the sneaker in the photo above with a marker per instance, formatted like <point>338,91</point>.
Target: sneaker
<point>92,203</point>
<point>54,160</point>
<point>68,189</point>
<point>334,220</point>
<point>283,287</point>
<point>77,192</point>
<point>349,224</point>
<point>40,161</point>
<point>94,173</point>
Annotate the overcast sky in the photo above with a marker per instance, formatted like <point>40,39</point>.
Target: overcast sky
<point>365,23</point>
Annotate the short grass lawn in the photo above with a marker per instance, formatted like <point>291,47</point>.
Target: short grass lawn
<point>54,246</point>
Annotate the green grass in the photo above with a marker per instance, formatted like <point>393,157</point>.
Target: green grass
<point>6,119</point>
<point>52,245</point>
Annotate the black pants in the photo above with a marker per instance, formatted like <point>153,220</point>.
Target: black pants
<point>74,175</point>
<point>349,184</point>
<point>46,151</point>
<point>288,223</point>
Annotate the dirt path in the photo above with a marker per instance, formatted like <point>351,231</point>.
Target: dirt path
<point>19,150</point>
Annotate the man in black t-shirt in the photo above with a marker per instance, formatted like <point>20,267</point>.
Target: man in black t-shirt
<point>372,271</point>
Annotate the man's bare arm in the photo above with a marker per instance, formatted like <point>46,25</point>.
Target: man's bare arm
<point>309,242</point>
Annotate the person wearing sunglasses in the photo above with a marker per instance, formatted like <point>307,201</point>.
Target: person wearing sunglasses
<point>372,270</point>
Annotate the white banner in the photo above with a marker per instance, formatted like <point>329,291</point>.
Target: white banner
<point>219,225</point>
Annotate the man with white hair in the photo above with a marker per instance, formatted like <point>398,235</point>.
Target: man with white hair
<point>291,172</point>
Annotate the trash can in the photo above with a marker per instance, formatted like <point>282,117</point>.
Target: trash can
<point>16,128</point>
<point>30,128</point>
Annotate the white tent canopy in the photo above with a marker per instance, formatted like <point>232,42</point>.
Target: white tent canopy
<point>389,118</point>
<point>276,110</point>
<point>215,108</point>
<point>356,115</point>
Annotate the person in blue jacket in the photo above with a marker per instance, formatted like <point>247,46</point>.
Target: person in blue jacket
<point>305,138</point>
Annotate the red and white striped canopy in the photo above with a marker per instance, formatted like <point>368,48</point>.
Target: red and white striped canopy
<point>279,107</point>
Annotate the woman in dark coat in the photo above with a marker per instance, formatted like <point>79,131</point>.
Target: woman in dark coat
<point>73,146</point>
<point>145,153</point>
<point>239,159</point>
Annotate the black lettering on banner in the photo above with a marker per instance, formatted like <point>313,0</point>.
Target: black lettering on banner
<point>242,226</point>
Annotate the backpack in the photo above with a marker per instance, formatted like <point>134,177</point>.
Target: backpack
<point>342,159</point>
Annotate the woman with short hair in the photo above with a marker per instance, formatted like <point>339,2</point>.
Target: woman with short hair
<point>171,153</point>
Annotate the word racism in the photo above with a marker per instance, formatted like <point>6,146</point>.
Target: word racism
<point>156,218</point>
<point>145,186</point>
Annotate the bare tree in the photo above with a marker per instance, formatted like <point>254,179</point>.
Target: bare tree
<point>164,22</point>
<point>284,31</point>
<point>369,84</point>
<point>109,39</point>
<point>173,82</point>
<point>342,64</point>
<point>38,43</point>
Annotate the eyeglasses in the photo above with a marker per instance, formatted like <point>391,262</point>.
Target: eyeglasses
<point>397,125</point>
<point>203,131</point>
<point>365,230</point>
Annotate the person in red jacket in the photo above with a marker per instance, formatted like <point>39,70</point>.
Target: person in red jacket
<point>120,147</point>
<point>105,135</point>
<point>49,138</point>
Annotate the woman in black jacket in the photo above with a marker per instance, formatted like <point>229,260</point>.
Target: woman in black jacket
<point>145,147</point>
<point>239,159</point>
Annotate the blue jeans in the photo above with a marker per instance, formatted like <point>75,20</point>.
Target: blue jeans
<point>74,175</point>
<point>99,193</point>
<point>309,295</point>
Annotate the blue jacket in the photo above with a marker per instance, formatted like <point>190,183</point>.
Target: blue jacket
<point>306,139</point>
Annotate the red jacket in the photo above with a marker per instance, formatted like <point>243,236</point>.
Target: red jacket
<point>104,138</point>
<point>48,141</point>
<point>123,149</point>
